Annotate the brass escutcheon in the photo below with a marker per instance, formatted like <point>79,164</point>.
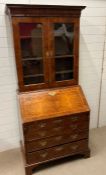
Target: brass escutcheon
<point>52,93</point>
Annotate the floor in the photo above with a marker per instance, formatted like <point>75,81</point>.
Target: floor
<point>11,162</point>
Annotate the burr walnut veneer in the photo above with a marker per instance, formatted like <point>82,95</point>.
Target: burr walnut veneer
<point>54,118</point>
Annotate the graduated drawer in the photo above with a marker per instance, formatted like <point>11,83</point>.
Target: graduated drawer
<point>48,128</point>
<point>53,141</point>
<point>57,151</point>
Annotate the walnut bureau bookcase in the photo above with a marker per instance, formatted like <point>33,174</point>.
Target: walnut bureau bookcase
<point>54,110</point>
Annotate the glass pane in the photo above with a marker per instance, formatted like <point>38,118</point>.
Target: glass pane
<point>31,51</point>
<point>64,68</point>
<point>64,34</point>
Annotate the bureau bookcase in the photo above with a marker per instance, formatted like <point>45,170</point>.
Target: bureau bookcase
<point>54,118</point>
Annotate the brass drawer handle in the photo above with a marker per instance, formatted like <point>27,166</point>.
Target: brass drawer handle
<point>57,121</point>
<point>43,155</point>
<point>74,147</point>
<point>75,119</point>
<point>57,129</point>
<point>43,143</point>
<point>42,134</point>
<point>58,138</point>
<point>74,136</point>
<point>59,148</point>
<point>73,126</point>
<point>42,125</point>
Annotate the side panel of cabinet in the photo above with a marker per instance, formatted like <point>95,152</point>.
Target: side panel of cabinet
<point>31,45</point>
<point>63,51</point>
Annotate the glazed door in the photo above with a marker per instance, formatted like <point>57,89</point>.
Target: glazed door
<point>63,51</point>
<point>31,44</point>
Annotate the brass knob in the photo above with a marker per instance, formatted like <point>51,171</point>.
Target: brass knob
<point>47,54</point>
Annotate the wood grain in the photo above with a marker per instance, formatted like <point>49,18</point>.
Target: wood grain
<point>42,105</point>
<point>43,10</point>
<point>57,152</point>
<point>56,140</point>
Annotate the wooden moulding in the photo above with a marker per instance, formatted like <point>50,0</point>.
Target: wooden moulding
<point>43,10</point>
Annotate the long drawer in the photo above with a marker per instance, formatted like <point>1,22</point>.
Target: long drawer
<point>53,141</point>
<point>57,151</point>
<point>60,125</point>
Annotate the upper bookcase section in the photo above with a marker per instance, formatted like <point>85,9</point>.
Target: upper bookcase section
<point>46,43</point>
<point>22,10</point>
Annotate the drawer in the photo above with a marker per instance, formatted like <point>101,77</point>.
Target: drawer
<point>53,141</point>
<point>54,126</point>
<point>57,151</point>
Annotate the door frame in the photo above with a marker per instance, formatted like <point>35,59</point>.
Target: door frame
<point>74,81</point>
<point>18,57</point>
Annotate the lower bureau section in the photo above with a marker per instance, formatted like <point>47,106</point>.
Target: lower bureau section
<point>57,152</point>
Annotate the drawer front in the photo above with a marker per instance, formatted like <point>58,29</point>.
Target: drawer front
<point>53,141</point>
<point>57,152</point>
<point>51,128</point>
